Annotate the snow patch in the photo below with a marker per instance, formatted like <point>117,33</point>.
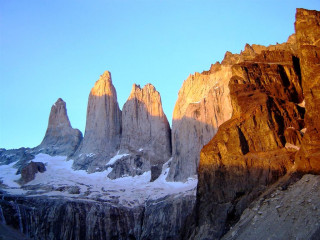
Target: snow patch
<point>116,158</point>
<point>127,191</point>
<point>8,175</point>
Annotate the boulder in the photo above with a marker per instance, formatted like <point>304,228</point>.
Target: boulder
<point>28,173</point>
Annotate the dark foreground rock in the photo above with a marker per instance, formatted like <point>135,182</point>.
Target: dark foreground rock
<point>60,218</point>
<point>28,173</point>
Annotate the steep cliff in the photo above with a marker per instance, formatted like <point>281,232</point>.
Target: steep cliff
<point>203,104</point>
<point>308,43</point>
<point>103,127</point>
<point>146,134</point>
<point>60,137</point>
<point>255,147</point>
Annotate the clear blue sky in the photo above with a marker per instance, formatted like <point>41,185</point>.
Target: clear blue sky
<point>51,49</point>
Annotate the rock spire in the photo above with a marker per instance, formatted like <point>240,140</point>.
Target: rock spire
<point>144,124</point>
<point>103,127</point>
<point>60,137</point>
<point>146,134</point>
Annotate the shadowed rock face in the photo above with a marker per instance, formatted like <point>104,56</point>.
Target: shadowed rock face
<point>60,137</point>
<point>203,104</point>
<point>308,43</point>
<point>248,152</point>
<point>61,218</point>
<point>103,127</point>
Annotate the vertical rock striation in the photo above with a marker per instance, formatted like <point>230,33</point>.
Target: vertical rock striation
<point>308,43</point>
<point>203,104</point>
<point>103,127</point>
<point>60,137</point>
<point>146,134</point>
<point>144,124</point>
<point>62,218</point>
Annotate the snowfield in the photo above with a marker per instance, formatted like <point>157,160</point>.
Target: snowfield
<point>59,178</point>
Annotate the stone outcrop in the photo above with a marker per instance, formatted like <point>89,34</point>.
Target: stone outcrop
<point>146,134</point>
<point>60,137</point>
<point>103,127</point>
<point>28,173</point>
<point>203,104</point>
<point>308,43</point>
<point>248,152</point>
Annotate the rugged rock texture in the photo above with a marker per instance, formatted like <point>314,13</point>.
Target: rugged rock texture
<point>144,124</point>
<point>146,134</point>
<point>28,172</point>
<point>248,153</point>
<point>164,218</point>
<point>103,127</point>
<point>203,104</point>
<point>45,218</point>
<point>292,213</point>
<point>60,138</point>
<point>308,43</point>
<point>21,156</point>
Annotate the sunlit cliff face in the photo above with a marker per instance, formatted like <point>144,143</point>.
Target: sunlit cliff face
<point>200,87</point>
<point>104,86</point>
<point>150,97</point>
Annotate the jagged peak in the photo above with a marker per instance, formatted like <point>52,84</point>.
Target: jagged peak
<point>148,88</point>
<point>106,76</point>
<point>103,86</point>
<point>59,102</point>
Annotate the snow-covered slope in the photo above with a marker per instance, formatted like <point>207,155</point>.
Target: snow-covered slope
<point>61,180</point>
